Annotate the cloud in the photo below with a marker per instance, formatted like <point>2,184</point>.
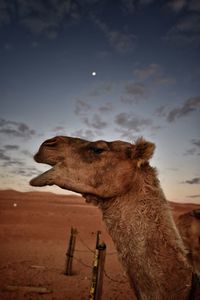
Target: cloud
<point>134,92</point>
<point>40,17</point>
<point>131,122</point>
<point>164,80</point>
<point>177,5</point>
<point>41,27</point>
<point>106,107</point>
<point>84,134</point>
<point>48,18</point>
<point>4,157</point>
<point>100,89</point>
<point>146,72</point>
<point>128,6</point>
<point>127,135</point>
<point>5,8</point>
<point>7,160</point>
<point>14,165</point>
<point>195,180</point>
<point>191,151</point>
<point>15,129</point>
<point>135,89</point>
<point>81,107</point>
<point>194,5</point>
<point>195,149</point>
<point>140,89</point>
<point>27,171</point>
<point>185,32</point>
<point>27,153</point>
<point>96,122</point>
<point>196,142</point>
<point>162,111</point>
<point>188,107</point>
<point>145,2</point>
<point>11,147</point>
<point>189,24</point>
<point>58,128</point>
<point>155,73</point>
<point>121,42</point>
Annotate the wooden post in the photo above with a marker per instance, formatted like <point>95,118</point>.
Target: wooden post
<point>102,257</point>
<point>98,238</point>
<point>70,252</point>
<point>94,276</point>
<point>97,271</point>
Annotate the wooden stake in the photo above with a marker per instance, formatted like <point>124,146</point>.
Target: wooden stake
<point>70,252</point>
<point>102,257</point>
<point>98,270</point>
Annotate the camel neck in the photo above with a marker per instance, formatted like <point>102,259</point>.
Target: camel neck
<point>148,245</point>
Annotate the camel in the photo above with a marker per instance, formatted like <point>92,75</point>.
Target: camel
<point>189,227</point>
<point>118,177</point>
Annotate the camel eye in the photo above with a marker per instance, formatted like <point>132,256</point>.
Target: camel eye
<point>96,150</point>
<point>97,147</point>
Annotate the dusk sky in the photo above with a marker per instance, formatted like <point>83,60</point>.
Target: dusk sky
<point>100,69</point>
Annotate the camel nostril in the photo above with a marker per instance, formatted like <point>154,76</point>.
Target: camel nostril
<point>51,142</point>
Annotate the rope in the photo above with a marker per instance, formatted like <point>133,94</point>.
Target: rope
<point>82,263</point>
<point>114,280</point>
<point>105,273</point>
<point>84,244</point>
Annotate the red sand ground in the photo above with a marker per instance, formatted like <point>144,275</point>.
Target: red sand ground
<point>34,238</point>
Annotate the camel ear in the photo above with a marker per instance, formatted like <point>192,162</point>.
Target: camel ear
<point>143,151</point>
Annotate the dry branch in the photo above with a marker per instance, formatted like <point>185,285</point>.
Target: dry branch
<point>29,289</point>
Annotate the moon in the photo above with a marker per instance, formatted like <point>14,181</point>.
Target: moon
<point>94,73</point>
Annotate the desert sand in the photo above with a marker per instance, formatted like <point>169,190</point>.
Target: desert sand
<point>34,235</point>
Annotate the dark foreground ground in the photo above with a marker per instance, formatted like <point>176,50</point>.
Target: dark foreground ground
<point>34,235</point>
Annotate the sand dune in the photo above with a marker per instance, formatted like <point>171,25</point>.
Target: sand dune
<point>34,234</point>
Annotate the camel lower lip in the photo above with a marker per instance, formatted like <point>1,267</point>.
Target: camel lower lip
<point>35,181</point>
<point>41,180</point>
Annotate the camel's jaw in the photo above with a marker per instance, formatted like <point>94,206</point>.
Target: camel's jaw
<point>58,175</point>
<point>43,179</point>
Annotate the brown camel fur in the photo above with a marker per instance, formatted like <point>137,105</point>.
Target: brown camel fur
<point>117,175</point>
<point>189,228</point>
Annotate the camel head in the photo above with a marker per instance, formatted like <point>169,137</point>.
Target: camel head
<point>94,169</point>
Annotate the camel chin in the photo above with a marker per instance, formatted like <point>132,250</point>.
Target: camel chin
<point>90,198</point>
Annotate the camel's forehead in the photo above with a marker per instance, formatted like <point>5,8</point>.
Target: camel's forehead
<point>117,144</point>
<point>72,140</point>
<point>120,144</point>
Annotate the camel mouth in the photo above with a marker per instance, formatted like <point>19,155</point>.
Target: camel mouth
<point>42,179</point>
